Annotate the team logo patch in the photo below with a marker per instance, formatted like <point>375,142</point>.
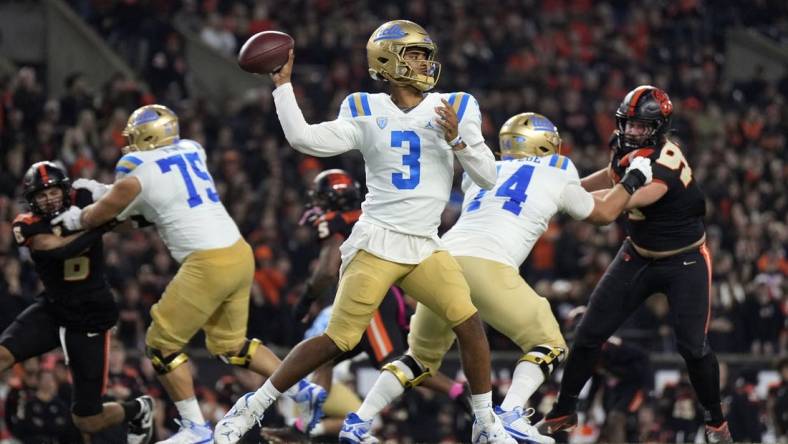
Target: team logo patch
<point>382,122</point>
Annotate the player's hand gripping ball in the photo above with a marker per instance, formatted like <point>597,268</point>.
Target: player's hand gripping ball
<point>265,52</point>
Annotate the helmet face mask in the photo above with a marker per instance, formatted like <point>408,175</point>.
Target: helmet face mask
<point>643,118</point>
<point>528,134</point>
<point>40,182</point>
<point>151,127</point>
<point>335,190</point>
<point>386,55</point>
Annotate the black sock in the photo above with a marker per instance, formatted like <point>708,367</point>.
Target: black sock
<point>131,409</point>
<point>579,367</point>
<point>704,374</point>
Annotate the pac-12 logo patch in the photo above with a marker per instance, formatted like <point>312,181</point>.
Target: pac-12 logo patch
<point>382,122</point>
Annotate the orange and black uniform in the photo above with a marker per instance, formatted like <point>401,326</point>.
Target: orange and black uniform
<point>75,311</point>
<point>385,338</point>
<point>672,223</point>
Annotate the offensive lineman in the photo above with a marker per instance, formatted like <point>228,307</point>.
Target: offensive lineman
<point>163,178</point>
<point>409,157</point>
<point>492,238</point>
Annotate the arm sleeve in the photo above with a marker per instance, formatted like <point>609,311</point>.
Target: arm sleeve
<point>476,158</point>
<point>321,140</point>
<point>76,246</point>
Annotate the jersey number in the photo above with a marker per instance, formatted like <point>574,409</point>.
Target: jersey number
<point>410,160</point>
<point>193,159</point>
<point>76,268</point>
<point>514,188</point>
<point>671,157</point>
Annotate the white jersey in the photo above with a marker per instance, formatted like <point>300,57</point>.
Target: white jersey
<point>409,165</point>
<point>178,195</point>
<point>503,224</point>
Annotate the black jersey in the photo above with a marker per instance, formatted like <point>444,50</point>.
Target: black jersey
<point>76,288</point>
<point>336,223</point>
<point>676,219</point>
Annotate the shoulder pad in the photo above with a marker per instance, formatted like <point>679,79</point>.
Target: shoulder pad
<point>459,101</point>
<point>127,164</point>
<point>358,103</point>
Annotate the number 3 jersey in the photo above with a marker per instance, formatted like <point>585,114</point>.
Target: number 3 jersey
<point>178,196</point>
<point>75,289</point>
<point>676,219</point>
<point>504,223</point>
<point>409,166</point>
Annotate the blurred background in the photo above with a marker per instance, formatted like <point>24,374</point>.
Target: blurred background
<point>72,71</point>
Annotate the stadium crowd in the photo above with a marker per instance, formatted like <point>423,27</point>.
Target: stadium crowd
<point>570,60</point>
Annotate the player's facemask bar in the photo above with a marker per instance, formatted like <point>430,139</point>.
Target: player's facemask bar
<point>150,127</point>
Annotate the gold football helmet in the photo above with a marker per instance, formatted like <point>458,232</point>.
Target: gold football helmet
<point>385,54</point>
<point>151,127</point>
<point>528,134</point>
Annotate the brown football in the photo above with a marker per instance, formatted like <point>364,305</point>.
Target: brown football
<point>265,52</point>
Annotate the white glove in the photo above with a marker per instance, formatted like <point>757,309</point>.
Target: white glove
<point>642,164</point>
<point>70,219</point>
<point>97,189</point>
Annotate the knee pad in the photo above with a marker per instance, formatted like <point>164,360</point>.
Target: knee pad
<point>409,362</point>
<point>165,364</point>
<point>244,356</point>
<point>546,357</point>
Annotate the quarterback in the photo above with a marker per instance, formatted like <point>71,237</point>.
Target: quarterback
<point>164,179</point>
<point>409,139</point>
<point>495,233</point>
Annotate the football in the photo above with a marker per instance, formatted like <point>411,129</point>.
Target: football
<point>265,52</point>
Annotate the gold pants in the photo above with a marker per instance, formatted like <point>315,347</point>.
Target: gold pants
<point>436,282</point>
<point>505,301</point>
<point>209,292</point>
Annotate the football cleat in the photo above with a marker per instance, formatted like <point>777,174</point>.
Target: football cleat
<point>356,431</point>
<point>309,400</point>
<point>551,425</point>
<point>491,433</point>
<point>516,423</point>
<point>141,427</point>
<point>719,435</point>
<point>238,421</point>
<point>190,433</point>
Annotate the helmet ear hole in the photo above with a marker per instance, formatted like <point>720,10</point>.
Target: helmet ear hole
<point>383,60</point>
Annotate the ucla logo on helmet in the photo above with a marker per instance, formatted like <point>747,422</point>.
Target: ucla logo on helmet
<point>391,33</point>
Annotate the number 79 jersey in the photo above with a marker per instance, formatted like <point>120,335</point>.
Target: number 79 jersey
<point>178,196</point>
<point>504,223</point>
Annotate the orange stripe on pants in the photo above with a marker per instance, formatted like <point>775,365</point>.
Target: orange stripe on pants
<point>379,337</point>
<point>704,251</point>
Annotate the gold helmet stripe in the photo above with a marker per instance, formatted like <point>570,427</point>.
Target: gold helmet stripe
<point>459,101</point>
<point>359,105</point>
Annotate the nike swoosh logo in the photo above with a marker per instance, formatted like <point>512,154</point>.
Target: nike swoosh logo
<point>93,335</point>
<point>689,263</point>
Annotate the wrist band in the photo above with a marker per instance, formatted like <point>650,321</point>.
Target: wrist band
<point>457,140</point>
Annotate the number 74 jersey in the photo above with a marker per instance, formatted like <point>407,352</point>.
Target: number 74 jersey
<point>504,223</point>
<point>178,196</point>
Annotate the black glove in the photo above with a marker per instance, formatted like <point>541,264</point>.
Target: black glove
<point>301,308</point>
<point>633,180</point>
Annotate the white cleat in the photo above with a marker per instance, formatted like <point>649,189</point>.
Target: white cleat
<point>492,433</point>
<point>238,421</point>
<point>190,433</point>
<point>309,400</point>
<point>356,431</point>
<point>516,423</point>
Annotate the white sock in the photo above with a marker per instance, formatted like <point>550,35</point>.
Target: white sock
<point>292,391</point>
<point>527,378</point>
<point>482,407</point>
<point>387,388</point>
<point>190,409</point>
<point>265,396</point>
